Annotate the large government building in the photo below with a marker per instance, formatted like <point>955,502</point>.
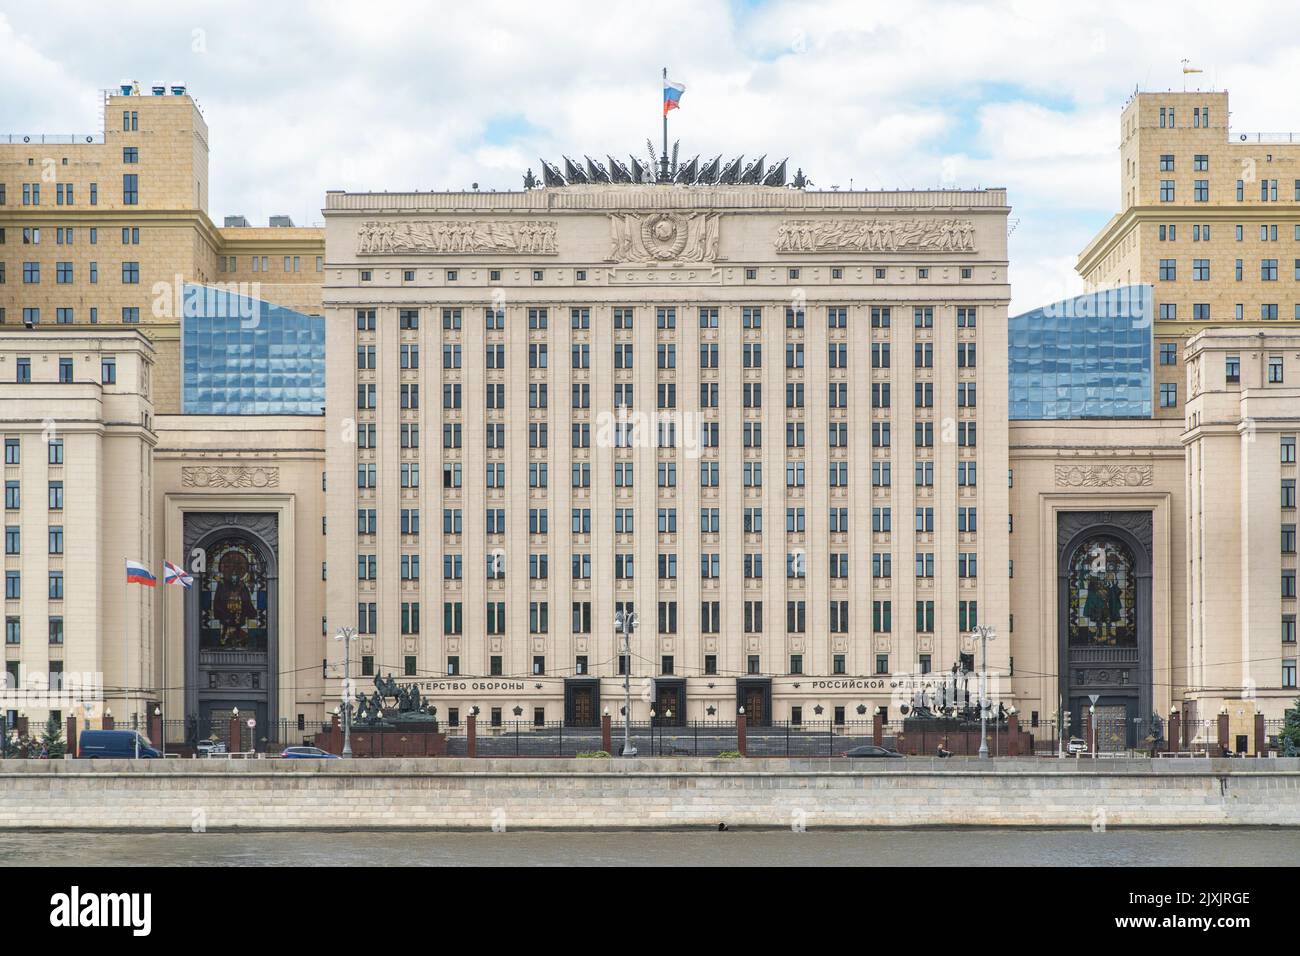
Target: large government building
<point>794,431</point>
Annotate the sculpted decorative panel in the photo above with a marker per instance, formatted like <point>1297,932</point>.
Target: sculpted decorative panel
<point>663,237</point>
<point>525,237</point>
<point>1103,476</point>
<point>229,476</point>
<point>876,235</point>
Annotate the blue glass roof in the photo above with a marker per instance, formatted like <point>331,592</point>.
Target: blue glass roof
<point>1085,357</point>
<point>244,356</point>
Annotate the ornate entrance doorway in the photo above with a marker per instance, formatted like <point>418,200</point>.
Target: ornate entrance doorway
<point>1104,630</point>
<point>231,633</point>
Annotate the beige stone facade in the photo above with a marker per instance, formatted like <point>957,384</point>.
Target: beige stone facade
<point>771,421</point>
<point>76,411</point>
<point>84,243</point>
<point>1209,216</point>
<point>745,318</point>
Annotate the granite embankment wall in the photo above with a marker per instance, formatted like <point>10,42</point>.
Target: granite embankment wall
<point>684,792</point>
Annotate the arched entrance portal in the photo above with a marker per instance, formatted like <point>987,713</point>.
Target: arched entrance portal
<point>230,623</point>
<point>1104,628</point>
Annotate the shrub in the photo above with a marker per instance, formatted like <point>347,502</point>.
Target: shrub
<point>588,754</point>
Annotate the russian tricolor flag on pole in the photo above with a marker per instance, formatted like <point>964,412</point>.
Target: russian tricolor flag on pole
<point>174,575</point>
<point>137,573</point>
<point>672,94</point>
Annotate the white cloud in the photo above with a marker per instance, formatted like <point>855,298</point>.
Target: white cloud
<point>300,98</point>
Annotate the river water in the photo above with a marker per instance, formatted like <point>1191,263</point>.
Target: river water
<point>813,847</point>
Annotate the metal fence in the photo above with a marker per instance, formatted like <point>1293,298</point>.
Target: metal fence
<point>702,738</point>
<point>183,735</point>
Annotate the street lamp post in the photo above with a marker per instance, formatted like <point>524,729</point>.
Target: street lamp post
<point>347,635</point>
<point>983,633</point>
<point>625,623</point>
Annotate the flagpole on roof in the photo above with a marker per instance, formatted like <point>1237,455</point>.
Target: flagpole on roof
<point>663,159</point>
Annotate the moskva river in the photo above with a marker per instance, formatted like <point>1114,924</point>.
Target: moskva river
<point>812,847</point>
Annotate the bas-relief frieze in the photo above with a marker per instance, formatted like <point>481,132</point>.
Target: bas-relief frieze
<point>455,237</point>
<point>876,235</point>
<point>1104,476</point>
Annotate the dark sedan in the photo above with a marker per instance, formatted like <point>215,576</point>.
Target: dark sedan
<point>871,751</point>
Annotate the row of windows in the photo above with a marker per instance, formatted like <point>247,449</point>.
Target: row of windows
<point>13,451</point>
<point>1268,311</point>
<point>666,355</point>
<point>263,263</point>
<point>13,495</point>
<point>67,235</point>
<point>796,617</point>
<point>14,630</point>
<point>751,317</point>
<point>68,315</point>
<point>14,585</point>
<point>796,566</point>
<point>1268,188</point>
<point>580,275</point>
<point>796,474</point>
<point>65,273</point>
<point>1201,232</point>
<point>1268,270</point>
<point>14,540</point>
<point>107,370</point>
<point>65,193</point>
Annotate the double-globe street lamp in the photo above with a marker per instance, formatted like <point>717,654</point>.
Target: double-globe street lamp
<point>983,633</point>
<point>625,623</point>
<point>347,635</point>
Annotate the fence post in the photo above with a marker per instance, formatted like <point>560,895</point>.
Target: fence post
<point>1013,735</point>
<point>471,736</point>
<point>740,735</point>
<point>1261,737</point>
<point>1175,735</point>
<point>877,728</point>
<point>156,730</point>
<point>72,733</point>
<point>107,721</point>
<point>606,743</point>
<point>1223,732</point>
<point>236,736</point>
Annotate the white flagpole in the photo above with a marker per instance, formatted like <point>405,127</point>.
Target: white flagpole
<point>162,692</point>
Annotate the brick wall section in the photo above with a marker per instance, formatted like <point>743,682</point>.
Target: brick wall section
<point>588,794</point>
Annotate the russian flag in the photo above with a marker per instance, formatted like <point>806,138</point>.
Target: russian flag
<point>174,575</point>
<point>137,573</point>
<point>672,94</point>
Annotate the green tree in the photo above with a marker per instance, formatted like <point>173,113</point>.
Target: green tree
<point>53,738</point>
<point>1289,738</point>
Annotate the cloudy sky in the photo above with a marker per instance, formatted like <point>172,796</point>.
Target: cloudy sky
<point>304,97</point>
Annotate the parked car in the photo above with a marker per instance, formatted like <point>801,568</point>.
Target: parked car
<point>870,750</point>
<point>307,753</point>
<point>106,744</point>
<point>1077,745</point>
<point>206,748</point>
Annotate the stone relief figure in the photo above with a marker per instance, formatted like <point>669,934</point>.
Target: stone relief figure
<point>438,237</point>
<point>663,237</point>
<point>875,235</point>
